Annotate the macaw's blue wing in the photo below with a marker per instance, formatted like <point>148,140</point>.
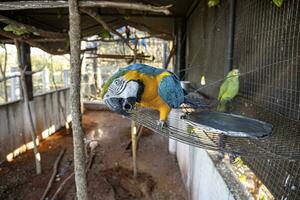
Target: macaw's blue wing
<point>170,91</point>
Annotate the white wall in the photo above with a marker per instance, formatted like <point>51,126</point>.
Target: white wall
<point>202,179</point>
<point>14,125</point>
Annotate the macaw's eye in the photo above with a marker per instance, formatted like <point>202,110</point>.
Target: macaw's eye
<point>118,82</point>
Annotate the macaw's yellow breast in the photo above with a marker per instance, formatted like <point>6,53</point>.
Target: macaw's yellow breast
<point>150,97</point>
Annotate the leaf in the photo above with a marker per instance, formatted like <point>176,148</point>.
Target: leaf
<point>213,3</point>
<point>278,3</point>
<point>104,34</point>
<point>17,30</point>
<point>243,178</point>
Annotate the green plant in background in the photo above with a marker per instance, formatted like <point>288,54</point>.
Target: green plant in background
<point>213,3</point>
<point>278,3</point>
<point>17,30</point>
<point>104,34</point>
<point>190,129</point>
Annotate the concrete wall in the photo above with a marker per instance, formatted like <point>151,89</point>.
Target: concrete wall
<point>205,175</point>
<point>14,124</point>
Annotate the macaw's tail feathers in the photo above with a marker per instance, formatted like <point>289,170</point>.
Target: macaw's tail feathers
<point>195,101</point>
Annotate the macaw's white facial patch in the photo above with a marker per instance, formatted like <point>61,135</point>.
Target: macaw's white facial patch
<point>122,88</point>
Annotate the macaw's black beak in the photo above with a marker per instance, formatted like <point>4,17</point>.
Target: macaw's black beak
<point>129,103</point>
<point>121,105</point>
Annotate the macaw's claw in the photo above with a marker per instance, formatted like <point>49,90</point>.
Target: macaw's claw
<point>161,124</point>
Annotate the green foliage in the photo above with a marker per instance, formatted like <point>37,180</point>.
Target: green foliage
<point>104,34</point>
<point>262,197</point>
<point>278,3</point>
<point>243,178</point>
<point>38,62</point>
<point>17,30</point>
<point>238,161</point>
<point>213,3</point>
<point>190,129</point>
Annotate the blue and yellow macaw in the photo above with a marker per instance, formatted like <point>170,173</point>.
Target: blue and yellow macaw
<point>145,86</point>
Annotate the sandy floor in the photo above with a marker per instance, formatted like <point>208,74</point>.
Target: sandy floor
<point>110,176</point>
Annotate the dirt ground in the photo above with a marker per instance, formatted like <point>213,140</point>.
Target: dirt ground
<point>110,176</point>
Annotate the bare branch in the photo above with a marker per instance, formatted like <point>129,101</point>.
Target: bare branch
<point>148,29</point>
<point>18,75</point>
<point>33,29</point>
<point>62,185</point>
<point>172,53</point>
<point>31,43</point>
<point>9,77</point>
<point>55,169</point>
<point>115,56</point>
<point>22,5</point>
<point>119,40</point>
<point>93,13</point>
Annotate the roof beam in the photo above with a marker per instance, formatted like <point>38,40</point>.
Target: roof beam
<point>23,5</point>
<point>31,43</point>
<point>33,29</point>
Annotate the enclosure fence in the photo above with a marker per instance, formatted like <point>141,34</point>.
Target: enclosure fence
<point>267,53</point>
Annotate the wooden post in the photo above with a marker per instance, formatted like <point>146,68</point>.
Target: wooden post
<point>79,155</point>
<point>95,69</point>
<point>3,68</point>
<point>23,63</point>
<point>134,147</point>
<point>180,43</point>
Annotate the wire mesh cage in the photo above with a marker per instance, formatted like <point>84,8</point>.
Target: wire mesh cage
<point>267,53</point>
<point>267,45</point>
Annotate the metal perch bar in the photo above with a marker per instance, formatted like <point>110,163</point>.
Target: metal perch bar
<point>134,145</point>
<point>180,130</point>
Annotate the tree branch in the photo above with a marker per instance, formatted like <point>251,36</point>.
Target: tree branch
<point>23,5</point>
<point>93,13</point>
<point>55,169</point>
<point>172,53</point>
<point>33,29</point>
<point>116,56</point>
<point>148,29</point>
<point>9,77</point>
<point>119,40</point>
<point>23,71</point>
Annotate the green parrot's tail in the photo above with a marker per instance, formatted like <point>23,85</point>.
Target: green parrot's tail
<point>221,106</point>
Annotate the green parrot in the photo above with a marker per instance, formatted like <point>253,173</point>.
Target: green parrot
<point>228,89</point>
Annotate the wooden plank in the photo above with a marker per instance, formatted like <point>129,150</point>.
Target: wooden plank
<point>23,5</point>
